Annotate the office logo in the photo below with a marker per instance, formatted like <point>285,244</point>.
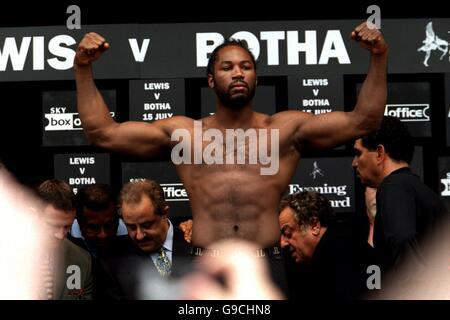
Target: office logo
<point>174,192</point>
<point>414,112</point>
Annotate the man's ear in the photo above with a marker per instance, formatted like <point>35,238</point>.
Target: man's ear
<point>315,227</point>
<point>381,153</point>
<point>165,213</point>
<point>211,81</point>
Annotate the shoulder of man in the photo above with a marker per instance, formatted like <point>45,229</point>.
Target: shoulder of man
<point>75,252</point>
<point>78,263</point>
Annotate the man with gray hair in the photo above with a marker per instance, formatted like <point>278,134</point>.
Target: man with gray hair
<point>156,246</point>
<point>331,263</point>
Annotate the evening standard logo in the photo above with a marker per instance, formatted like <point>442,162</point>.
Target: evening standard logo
<point>174,192</point>
<point>446,183</point>
<point>340,191</point>
<point>316,171</point>
<point>408,112</point>
<point>431,43</point>
<point>64,121</point>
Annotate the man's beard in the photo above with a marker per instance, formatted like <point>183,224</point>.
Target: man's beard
<point>236,102</point>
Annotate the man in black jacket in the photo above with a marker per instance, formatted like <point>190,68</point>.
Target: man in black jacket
<point>408,211</point>
<point>329,263</point>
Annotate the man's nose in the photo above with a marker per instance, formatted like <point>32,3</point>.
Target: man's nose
<point>238,73</point>
<point>140,234</point>
<point>355,162</point>
<point>102,234</point>
<point>283,242</point>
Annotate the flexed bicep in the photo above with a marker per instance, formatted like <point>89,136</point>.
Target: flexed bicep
<point>328,130</point>
<point>335,128</point>
<point>141,139</point>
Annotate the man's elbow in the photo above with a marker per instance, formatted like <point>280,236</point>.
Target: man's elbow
<point>369,123</point>
<point>100,137</point>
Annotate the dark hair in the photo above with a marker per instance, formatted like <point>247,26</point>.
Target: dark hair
<point>95,197</point>
<point>228,42</point>
<point>394,136</point>
<point>309,207</point>
<point>58,193</point>
<point>132,192</point>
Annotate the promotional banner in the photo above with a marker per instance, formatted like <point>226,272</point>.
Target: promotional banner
<point>411,103</point>
<point>155,99</point>
<point>147,51</point>
<point>447,107</point>
<point>47,53</point>
<point>444,179</point>
<point>164,173</point>
<point>61,122</point>
<point>333,177</point>
<point>82,169</point>
<point>316,94</point>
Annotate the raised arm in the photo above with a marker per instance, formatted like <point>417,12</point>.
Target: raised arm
<point>335,128</point>
<point>132,138</point>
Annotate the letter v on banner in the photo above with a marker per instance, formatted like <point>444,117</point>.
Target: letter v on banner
<point>139,54</point>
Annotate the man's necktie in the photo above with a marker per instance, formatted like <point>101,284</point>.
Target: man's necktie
<point>163,263</point>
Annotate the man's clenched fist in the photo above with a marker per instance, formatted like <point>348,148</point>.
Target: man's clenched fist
<point>370,38</point>
<point>91,47</point>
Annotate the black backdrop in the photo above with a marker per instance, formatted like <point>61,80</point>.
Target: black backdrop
<point>21,112</point>
<point>20,117</point>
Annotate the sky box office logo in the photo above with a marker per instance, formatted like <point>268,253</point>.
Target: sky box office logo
<point>62,122</point>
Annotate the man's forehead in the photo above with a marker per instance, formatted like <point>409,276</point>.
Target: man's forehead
<point>52,211</point>
<point>103,214</point>
<point>99,219</point>
<point>60,218</point>
<point>232,50</point>
<point>141,220</point>
<point>287,217</point>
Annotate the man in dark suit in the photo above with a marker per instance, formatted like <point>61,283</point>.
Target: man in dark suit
<point>66,268</point>
<point>156,247</point>
<point>409,213</point>
<point>97,225</point>
<point>330,264</point>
